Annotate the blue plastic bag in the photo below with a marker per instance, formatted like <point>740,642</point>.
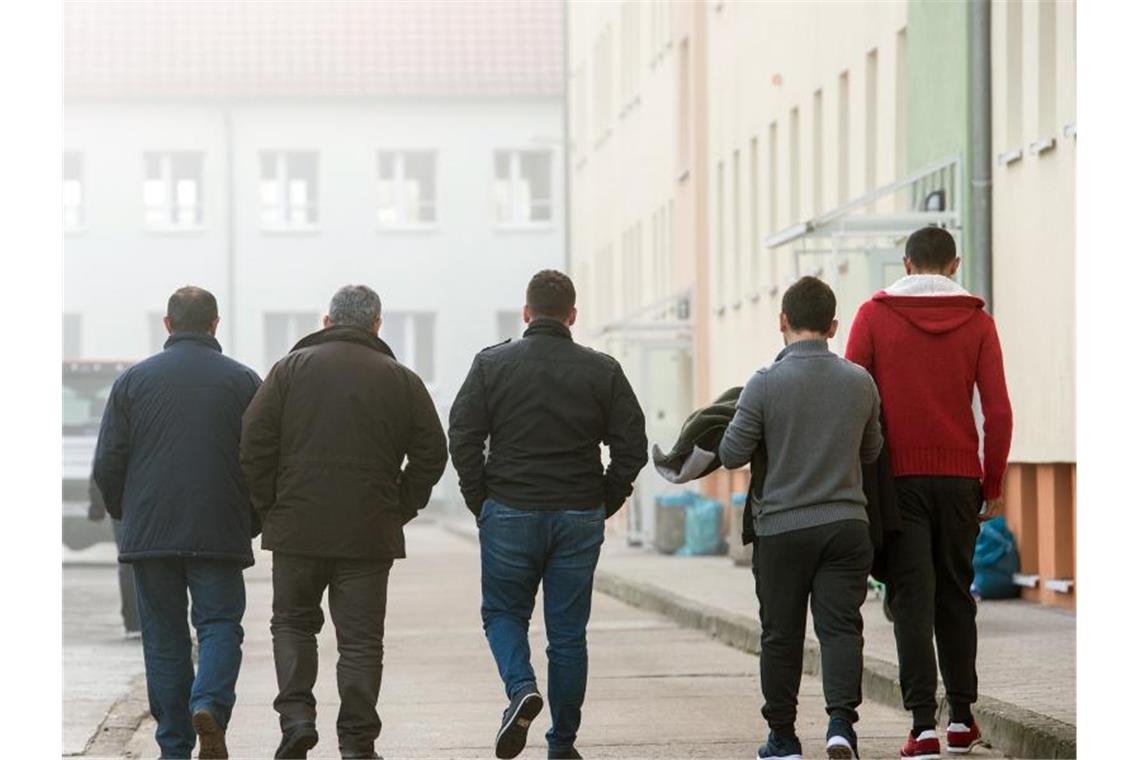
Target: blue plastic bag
<point>995,561</point>
<point>702,528</point>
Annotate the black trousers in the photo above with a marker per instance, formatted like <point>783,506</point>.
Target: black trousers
<point>128,597</point>
<point>358,595</point>
<point>827,564</point>
<point>931,568</point>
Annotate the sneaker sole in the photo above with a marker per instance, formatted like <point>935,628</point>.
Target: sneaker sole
<point>920,757</point>
<point>966,750</point>
<point>839,752</point>
<point>512,737</point>
<point>211,737</point>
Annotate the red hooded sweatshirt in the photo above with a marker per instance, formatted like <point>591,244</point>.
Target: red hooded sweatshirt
<point>927,342</point>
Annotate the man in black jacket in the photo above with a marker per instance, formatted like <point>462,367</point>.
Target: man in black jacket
<point>323,449</point>
<point>541,497</point>
<point>167,466</point>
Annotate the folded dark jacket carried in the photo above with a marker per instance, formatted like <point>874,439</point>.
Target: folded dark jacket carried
<point>695,455</point>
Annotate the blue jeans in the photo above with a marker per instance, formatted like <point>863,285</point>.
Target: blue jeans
<point>559,548</point>
<point>217,593</point>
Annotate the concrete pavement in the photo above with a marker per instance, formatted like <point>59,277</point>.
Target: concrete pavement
<point>657,689</point>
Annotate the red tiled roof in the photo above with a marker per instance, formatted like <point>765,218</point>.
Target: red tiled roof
<point>311,49</point>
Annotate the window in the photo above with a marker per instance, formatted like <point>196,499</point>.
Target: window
<point>631,49</point>
<point>844,139</point>
<point>1047,69</point>
<point>523,188</point>
<point>580,142</point>
<point>156,330</point>
<point>1013,74</point>
<point>172,190</point>
<point>900,110</point>
<point>406,188</point>
<point>283,330</point>
<point>411,336</point>
<point>817,152</point>
<point>773,178</point>
<point>603,84</point>
<point>73,218</point>
<point>754,204</point>
<point>871,114</point>
<point>508,324</point>
<point>736,265</point>
<point>72,336</point>
<point>720,283</point>
<point>794,166</point>
<point>683,107</point>
<point>631,269</point>
<point>289,190</point>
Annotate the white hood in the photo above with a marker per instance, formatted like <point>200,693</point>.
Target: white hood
<point>926,285</point>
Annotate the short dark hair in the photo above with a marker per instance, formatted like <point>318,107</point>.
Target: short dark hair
<point>809,305</point>
<point>931,248</point>
<point>192,309</point>
<point>550,294</point>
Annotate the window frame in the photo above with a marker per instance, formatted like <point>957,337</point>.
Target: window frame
<point>282,180</point>
<point>514,224</point>
<point>399,156</point>
<point>166,162</point>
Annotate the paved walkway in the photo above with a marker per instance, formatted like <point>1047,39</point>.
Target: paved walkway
<point>1026,651</point>
<point>656,689</point>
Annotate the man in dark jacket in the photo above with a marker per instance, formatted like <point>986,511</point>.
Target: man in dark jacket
<point>323,448</point>
<point>541,497</point>
<point>167,466</point>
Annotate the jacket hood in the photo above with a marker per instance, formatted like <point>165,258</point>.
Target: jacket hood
<point>933,313</point>
<point>347,334</point>
<point>195,337</point>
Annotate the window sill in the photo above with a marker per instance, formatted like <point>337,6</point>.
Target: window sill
<point>174,231</point>
<point>1070,131</point>
<point>684,175</point>
<point>720,310</point>
<point>415,229</point>
<point>290,231</point>
<point>1009,157</point>
<point>525,227</point>
<point>1042,146</point>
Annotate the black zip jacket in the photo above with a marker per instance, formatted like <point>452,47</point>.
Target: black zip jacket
<point>167,457</point>
<point>546,404</point>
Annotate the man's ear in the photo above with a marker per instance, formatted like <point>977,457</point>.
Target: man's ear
<point>954,266</point>
<point>214,326</point>
<point>831,330</point>
<point>169,327</point>
<point>573,316</point>
<point>527,315</point>
<point>376,325</point>
<point>784,322</point>
<point>327,321</point>
<point>908,266</point>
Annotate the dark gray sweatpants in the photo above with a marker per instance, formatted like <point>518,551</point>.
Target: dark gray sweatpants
<point>828,565</point>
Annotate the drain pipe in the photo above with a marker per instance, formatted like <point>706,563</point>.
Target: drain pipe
<point>981,144</point>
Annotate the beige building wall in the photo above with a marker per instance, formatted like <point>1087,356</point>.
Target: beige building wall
<point>797,126</point>
<point>622,94</point>
<point>1034,228</point>
<point>1034,252</point>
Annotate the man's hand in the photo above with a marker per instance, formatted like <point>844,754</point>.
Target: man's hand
<point>95,513</point>
<point>991,508</point>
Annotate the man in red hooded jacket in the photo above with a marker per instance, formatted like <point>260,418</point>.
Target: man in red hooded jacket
<point>928,343</point>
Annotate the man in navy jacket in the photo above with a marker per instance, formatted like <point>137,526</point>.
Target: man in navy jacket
<point>167,465</point>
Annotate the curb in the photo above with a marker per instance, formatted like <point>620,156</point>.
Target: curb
<point>121,723</point>
<point>1013,730</point>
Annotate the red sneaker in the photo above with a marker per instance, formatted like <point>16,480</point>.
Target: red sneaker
<point>961,738</point>
<point>925,746</point>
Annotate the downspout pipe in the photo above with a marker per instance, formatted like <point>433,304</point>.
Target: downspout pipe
<point>981,147</point>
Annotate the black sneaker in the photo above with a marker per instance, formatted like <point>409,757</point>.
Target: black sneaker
<point>296,741</point>
<point>563,754</point>
<point>211,736</point>
<point>842,744</point>
<point>516,721</point>
<point>780,748</point>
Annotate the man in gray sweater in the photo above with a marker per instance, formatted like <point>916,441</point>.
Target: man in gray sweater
<point>818,416</point>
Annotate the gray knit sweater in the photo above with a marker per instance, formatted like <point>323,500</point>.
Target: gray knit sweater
<point>818,415</point>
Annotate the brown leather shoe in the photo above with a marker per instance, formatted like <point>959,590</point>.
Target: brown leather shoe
<point>211,736</point>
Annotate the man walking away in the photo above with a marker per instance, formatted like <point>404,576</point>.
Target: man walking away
<point>818,417</point>
<point>928,343</point>
<point>323,449</point>
<point>167,466</point>
<point>541,498</point>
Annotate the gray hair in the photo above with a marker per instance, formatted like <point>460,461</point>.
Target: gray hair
<point>356,306</point>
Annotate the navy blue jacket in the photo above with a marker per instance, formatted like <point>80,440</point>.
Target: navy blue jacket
<point>167,456</point>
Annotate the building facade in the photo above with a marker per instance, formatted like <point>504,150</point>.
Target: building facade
<point>832,131</point>
<point>413,147</point>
